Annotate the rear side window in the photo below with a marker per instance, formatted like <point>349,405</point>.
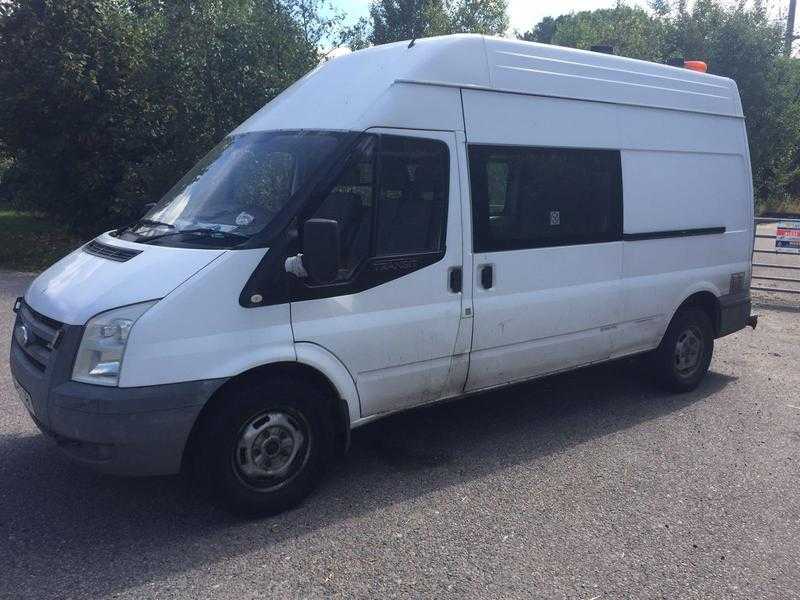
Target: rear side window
<point>539,197</point>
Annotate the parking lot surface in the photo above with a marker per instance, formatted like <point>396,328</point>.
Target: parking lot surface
<point>589,485</point>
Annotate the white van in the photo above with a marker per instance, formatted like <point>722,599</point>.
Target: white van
<point>406,224</point>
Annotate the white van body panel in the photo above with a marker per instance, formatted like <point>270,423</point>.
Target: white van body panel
<point>374,87</point>
<point>200,331</point>
<point>363,89</point>
<point>549,309</point>
<point>325,362</point>
<point>701,180</point>
<point>545,70</point>
<point>81,285</point>
<point>681,170</point>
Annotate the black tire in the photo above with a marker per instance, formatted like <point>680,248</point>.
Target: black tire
<point>278,409</point>
<point>679,364</point>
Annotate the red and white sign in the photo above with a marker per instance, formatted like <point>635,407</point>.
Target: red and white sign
<point>787,238</point>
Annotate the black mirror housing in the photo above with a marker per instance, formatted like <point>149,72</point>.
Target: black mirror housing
<point>321,247</point>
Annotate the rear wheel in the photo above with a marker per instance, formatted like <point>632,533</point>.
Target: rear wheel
<point>683,357</point>
<point>263,446</point>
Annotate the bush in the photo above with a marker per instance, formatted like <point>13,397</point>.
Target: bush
<point>109,101</point>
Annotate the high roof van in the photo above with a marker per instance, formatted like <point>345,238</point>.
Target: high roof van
<point>406,224</point>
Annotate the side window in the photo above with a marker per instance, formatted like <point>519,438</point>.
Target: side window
<point>538,197</point>
<point>412,203</point>
<point>390,200</point>
<point>498,178</point>
<point>351,203</point>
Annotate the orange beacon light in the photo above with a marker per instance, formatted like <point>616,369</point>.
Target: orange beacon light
<point>696,65</point>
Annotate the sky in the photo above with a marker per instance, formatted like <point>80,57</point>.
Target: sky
<point>524,14</point>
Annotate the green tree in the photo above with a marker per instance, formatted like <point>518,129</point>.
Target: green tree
<point>790,178</point>
<point>356,36</point>
<point>212,64</point>
<point>631,31</point>
<point>395,20</point>
<point>479,16</point>
<point>65,68</point>
<point>109,101</point>
<point>543,31</point>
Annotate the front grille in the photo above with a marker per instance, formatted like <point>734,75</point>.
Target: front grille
<point>110,252</point>
<point>42,336</point>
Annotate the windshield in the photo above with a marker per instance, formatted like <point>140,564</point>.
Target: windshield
<point>236,190</point>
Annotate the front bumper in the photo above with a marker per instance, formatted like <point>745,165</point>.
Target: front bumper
<point>124,431</point>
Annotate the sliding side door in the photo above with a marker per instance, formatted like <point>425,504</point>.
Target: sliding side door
<point>547,254</point>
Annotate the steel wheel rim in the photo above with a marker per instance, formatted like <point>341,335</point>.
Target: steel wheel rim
<point>271,449</point>
<point>689,349</point>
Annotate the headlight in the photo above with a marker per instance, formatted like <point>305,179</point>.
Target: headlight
<point>103,345</point>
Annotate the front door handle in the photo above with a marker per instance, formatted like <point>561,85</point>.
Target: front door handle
<point>455,280</point>
<point>487,277</point>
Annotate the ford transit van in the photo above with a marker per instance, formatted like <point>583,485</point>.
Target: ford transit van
<point>405,224</point>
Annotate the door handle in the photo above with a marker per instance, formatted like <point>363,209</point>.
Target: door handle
<point>455,280</point>
<point>487,277</point>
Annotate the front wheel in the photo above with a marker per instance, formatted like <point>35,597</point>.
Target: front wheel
<point>263,447</point>
<point>683,357</point>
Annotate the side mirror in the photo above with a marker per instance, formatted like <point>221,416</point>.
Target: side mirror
<point>321,249</point>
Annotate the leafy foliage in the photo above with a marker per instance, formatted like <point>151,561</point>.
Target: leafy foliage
<point>111,100</point>
<point>394,20</point>
<point>479,16</point>
<point>629,30</point>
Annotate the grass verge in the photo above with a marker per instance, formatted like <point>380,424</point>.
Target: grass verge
<point>29,242</point>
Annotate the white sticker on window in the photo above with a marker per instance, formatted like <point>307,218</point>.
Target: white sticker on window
<point>244,218</point>
<point>555,217</point>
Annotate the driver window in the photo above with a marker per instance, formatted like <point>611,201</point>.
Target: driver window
<point>412,203</point>
<point>350,203</point>
<point>394,204</point>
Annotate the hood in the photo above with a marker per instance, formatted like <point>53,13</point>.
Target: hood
<point>83,284</point>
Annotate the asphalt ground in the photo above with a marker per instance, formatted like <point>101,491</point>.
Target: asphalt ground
<point>588,485</point>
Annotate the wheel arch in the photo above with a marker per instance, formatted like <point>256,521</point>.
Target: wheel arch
<point>313,364</point>
<point>705,298</point>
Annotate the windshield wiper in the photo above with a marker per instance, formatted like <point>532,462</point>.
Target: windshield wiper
<point>149,222</point>
<point>154,223</point>
<point>200,231</point>
<point>146,222</point>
